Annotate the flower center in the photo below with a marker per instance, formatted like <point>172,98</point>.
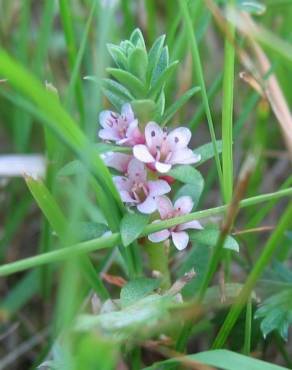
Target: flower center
<point>140,191</point>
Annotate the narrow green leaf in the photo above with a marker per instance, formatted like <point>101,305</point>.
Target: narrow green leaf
<point>132,83</point>
<point>162,79</point>
<point>160,66</point>
<point>118,56</point>
<point>132,225</point>
<point>138,61</point>
<point>137,38</point>
<point>223,359</point>
<point>153,56</point>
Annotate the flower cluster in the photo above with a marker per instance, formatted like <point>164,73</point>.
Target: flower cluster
<point>144,181</point>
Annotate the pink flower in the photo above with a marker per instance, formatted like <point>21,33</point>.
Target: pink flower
<point>136,189</point>
<point>182,206</point>
<point>163,150</point>
<point>120,128</point>
<point>118,161</point>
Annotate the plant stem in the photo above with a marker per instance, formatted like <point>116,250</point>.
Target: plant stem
<point>158,261</point>
<point>115,239</point>
<point>247,329</point>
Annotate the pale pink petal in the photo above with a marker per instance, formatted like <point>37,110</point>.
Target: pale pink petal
<point>127,112</point>
<point>153,135</point>
<point>158,187</point>
<point>118,161</point>
<point>180,239</point>
<point>162,167</point>
<point>184,204</point>
<point>148,206</point>
<point>184,156</point>
<point>159,236</point>
<point>137,171</point>
<point>164,207</point>
<point>190,225</point>
<point>126,197</point>
<point>142,153</point>
<point>179,138</point>
<point>108,134</point>
<point>122,183</point>
<point>105,117</point>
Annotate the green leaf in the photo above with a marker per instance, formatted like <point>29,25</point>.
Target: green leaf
<point>137,289</point>
<point>195,185</point>
<point>137,38</point>
<point>118,56</point>
<point>222,358</point>
<point>160,66</point>
<point>276,313</point>
<point>154,55</point>
<point>188,175</point>
<point>138,61</point>
<point>206,151</point>
<point>209,236</point>
<point>132,225</point>
<point>144,109</point>
<point>171,111</point>
<point>131,82</point>
<point>47,204</point>
<point>116,88</point>
<point>91,230</point>
<point>164,76</point>
<point>197,258</point>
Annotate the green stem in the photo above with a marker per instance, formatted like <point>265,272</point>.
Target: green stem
<point>115,239</point>
<point>248,328</point>
<point>158,261</point>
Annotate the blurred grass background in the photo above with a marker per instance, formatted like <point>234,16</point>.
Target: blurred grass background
<point>63,41</point>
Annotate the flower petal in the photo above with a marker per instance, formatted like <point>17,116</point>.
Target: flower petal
<point>184,204</point>
<point>142,153</point>
<point>106,117</point>
<point>180,239</point>
<point>137,171</point>
<point>127,112</point>
<point>184,156</point>
<point>108,134</point>
<point>153,135</point>
<point>164,207</point>
<point>162,167</point>
<point>159,236</point>
<point>190,225</point>
<point>118,161</point>
<point>122,183</point>
<point>158,187</point>
<point>179,138</point>
<point>148,206</point>
<point>126,197</point>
